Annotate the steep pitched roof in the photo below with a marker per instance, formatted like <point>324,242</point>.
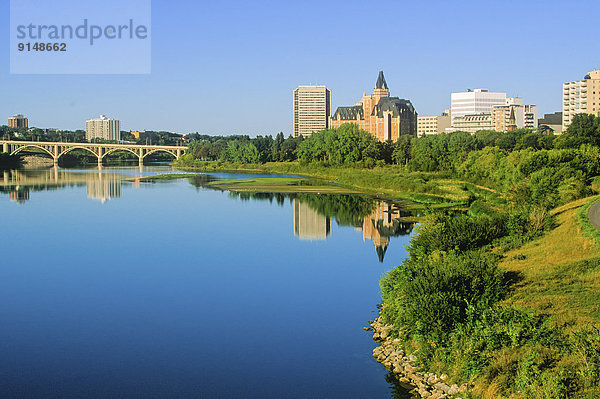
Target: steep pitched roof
<point>394,104</point>
<point>349,113</point>
<point>381,84</point>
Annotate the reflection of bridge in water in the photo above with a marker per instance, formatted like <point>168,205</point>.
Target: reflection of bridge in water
<point>102,186</point>
<point>57,149</point>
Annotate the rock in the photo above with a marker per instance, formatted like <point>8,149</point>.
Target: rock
<point>433,379</point>
<point>367,328</point>
<point>412,358</point>
<point>453,390</point>
<point>442,387</point>
<point>409,369</point>
<point>443,377</point>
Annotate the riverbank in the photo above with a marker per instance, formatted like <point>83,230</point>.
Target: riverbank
<point>436,190</point>
<point>540,337</point>
<point>405,368</point>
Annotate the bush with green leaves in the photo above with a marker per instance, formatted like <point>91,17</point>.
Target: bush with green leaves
<point>427,297</point>
<point>455,231</point>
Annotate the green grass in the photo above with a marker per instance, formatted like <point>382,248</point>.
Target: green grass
<point>390,182</point>
<point>560,271</point>
<point>163,177</point>
<point>281,185</point>
<point>586,227</point>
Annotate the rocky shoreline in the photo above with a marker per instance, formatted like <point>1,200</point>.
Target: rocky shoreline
<point>33,161</point>
<point>393,357</point>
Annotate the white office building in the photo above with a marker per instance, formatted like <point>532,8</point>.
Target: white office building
<point>474,102</point>
<point>103,128</point>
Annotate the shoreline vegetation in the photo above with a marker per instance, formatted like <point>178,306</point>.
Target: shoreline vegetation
<point>500,292</point>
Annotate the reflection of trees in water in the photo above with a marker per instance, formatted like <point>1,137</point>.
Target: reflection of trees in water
<point>200,180</point>
<point>379,220</point>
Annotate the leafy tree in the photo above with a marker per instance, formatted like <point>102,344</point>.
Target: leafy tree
<point>584,129</point>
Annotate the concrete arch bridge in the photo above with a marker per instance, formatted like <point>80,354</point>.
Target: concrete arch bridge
<point>57,149</point>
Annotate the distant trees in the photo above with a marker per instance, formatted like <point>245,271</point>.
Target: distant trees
<point>584,129</point>
<point>243,149</point>
<point>345,145</point>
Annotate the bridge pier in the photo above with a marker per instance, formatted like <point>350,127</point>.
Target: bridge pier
<point>5,148</point>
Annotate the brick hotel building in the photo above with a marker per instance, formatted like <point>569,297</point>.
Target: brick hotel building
<point>385,117</point>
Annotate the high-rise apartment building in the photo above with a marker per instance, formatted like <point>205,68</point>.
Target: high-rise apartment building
<point>312,109</point>
<point>103,128</point>
<point>433,124</point>
<point>18,121</point>
<point>474,102</point>
<point>581,97</point>
<point>385,117</point>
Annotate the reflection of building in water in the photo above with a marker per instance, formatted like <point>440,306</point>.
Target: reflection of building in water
<point>309,224</point>
<point>103,186</point>
<point>19,196</point>
<point>382,224</point>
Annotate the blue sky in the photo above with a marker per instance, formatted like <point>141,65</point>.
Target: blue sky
<point>229,67</point>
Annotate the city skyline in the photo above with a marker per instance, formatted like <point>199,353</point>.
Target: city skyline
<point>265,55</point>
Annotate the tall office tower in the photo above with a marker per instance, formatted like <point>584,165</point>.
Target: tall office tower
<point>312,109</point>
<point>581,97</point>
<point>479,102</point>
<point>18,121</point>
<point>103,128</point>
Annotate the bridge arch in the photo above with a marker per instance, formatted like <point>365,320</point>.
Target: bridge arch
<point>21,148</point>
<point>67,150</point>
<point>172,153</point>
<point>120,149</point>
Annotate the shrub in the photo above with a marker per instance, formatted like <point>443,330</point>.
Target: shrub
<point>427,297</point>
<point>446,232</point>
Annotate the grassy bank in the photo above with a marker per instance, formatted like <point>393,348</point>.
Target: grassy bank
<point>391,182</point>
<point>514,323</point>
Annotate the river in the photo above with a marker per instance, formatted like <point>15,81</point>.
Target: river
<point>111,287</point>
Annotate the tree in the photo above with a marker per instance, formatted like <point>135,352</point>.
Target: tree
<point>584,129</point>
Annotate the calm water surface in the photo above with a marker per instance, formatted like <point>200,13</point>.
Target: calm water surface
<point>111,287</point>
